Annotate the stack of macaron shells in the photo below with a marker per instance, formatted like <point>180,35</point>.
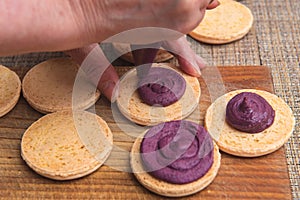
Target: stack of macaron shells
<point>68,142</point>
<point>10,89</point>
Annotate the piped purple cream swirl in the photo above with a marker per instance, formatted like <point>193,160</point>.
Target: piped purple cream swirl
<point>249,112</point>
<point>177,152</point>
<point>161,87</point>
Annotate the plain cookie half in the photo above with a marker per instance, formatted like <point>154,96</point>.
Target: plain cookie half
<point>229,22</point>
<point>49,87</point>
<point>10,89</point>
<point>65,145</point>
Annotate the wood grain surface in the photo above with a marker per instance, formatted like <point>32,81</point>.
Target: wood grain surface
<point>264,177</point>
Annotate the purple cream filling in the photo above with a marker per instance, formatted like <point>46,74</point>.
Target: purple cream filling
<point>177,152</point>
<point>249,112</point>
<point>161,87</point>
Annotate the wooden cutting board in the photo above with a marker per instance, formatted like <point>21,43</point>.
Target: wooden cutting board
<point>265,177</point>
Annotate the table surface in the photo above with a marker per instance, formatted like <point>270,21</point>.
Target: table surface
<point>273,41</point>
<point>238,178</point>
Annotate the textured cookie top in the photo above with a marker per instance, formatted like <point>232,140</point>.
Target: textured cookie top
<point>58,84</point>
<point>228,22</point>
<point>66,145</point>
<point>239,143</point>
<point>10,88</point>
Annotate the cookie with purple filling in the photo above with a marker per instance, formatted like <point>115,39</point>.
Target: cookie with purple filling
<point>161,87</point>
<point>165,94</point>
<point>176,158</point>
<point>249,122</point>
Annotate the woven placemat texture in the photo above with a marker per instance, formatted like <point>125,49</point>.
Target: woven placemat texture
<point>278,31</point>
<point>273,41</point>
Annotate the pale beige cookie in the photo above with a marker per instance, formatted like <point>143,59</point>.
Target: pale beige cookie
<point>132,107</point>
<point>239,143</point>
<point>10,89</point>
<point>170,189</point>
<point>65,145</point>
<point>50,86</point>
<point>229,22</point>
<point>125,51</point>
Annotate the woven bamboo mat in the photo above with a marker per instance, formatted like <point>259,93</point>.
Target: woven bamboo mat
<point>273,41</point>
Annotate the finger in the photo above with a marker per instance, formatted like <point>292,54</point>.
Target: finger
<point>188,61</point>
<point>144,55</point>
<point>107,83</point>
<point>97,68</point>
<point>213,4</point>
<point>189,68</point>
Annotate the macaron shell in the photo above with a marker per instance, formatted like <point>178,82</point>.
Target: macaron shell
<point>49,87</point>
<point>168,189</point>
<point>131,106</point>
<point>243,144</point>
<point>65,145</point>
<point>10,89</point>
<point>229,22</point>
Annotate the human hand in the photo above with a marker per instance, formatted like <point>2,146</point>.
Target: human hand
<point>188,60</point>
<point>97,68</point>
<point>102,74</point>
<point>174,18</point>
<point>74,24</point>
<point>107,76</point>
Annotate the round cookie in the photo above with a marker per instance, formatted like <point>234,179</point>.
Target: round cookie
<point>10,89</point>
<point>125,51</point>
<point>65,145</point>
<point>235,142</point>
<point>49,87</point>
<point>169,189</point>
<point>229,22</point>
<point>132,107</point>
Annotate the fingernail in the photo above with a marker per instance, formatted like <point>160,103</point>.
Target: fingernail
<point>196,68</point>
